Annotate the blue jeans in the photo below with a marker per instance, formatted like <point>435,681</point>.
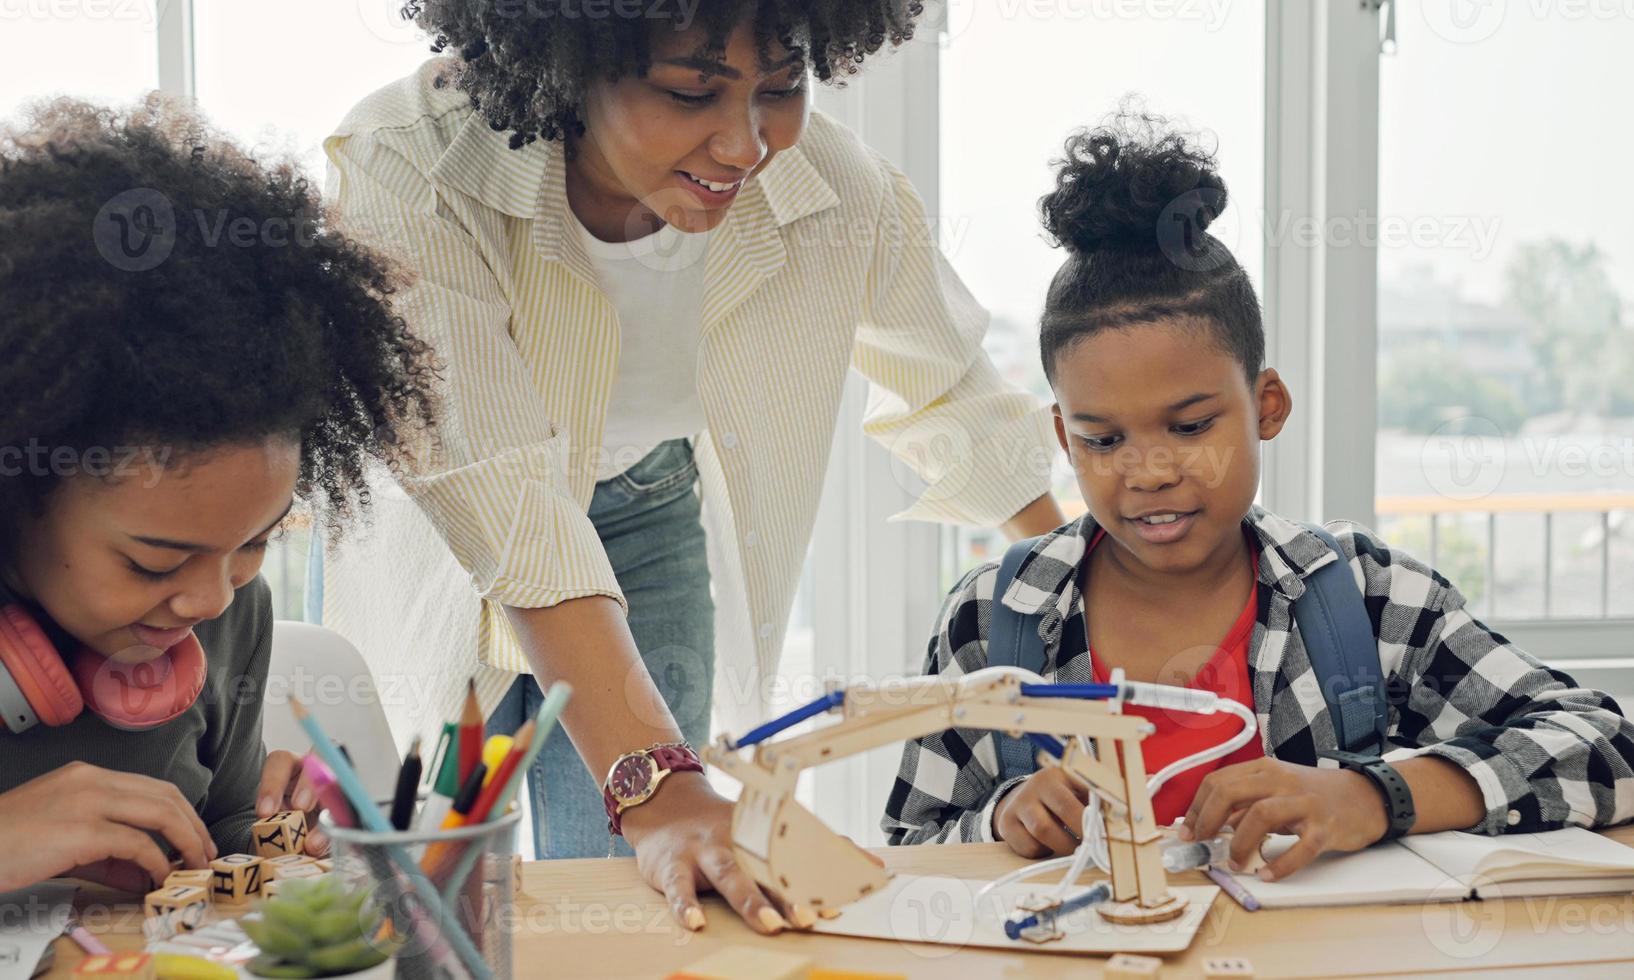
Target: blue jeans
<point>649,522</point>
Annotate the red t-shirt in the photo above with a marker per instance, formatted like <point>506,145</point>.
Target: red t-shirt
<point>1181,733</point>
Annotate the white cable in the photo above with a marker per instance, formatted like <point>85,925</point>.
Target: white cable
<point>1092,846</point>
<point>1220,751</point>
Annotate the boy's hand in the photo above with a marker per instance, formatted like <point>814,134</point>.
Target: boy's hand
<point>1330,810</point>
<point>98,823</point>
<point>285,787</point>
<point>1043,815</point>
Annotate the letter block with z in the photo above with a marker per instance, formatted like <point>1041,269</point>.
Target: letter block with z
<point>279,834</point>
<point>237,878</point>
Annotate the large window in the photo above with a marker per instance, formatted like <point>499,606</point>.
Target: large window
<point>1016,79</point>
<point>1506,307</point>
<point>282,76</point>
<point>101,51</point>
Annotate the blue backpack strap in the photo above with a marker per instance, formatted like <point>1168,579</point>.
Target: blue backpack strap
<point>1013,641</point>
<point>1344,652</point>
<point>1012,638</point>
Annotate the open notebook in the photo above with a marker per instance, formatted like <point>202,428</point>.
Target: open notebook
<point>1450,867</point>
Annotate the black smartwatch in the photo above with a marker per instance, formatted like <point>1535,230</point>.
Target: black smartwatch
<point>1398,799</point>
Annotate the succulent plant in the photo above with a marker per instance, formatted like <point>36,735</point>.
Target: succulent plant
<point>316,927</point>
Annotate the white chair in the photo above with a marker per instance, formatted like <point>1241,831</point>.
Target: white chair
<point>328,675</point>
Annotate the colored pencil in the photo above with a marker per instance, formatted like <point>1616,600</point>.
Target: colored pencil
<point>470,732</point>
<point>408,780</point>
<point>502,776</point>
<point>1230,886</point>
<point>328,790</point>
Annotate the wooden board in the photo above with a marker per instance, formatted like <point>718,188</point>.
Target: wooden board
<point>942,910</point>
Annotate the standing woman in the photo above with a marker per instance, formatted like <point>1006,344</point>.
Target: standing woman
<point>649,267</point>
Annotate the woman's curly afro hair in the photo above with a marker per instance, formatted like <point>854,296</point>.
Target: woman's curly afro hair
<point>260,321</point>
<point>526,63</point>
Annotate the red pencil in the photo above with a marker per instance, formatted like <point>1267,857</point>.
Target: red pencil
<point>470,732</point>
<point>485,800</point>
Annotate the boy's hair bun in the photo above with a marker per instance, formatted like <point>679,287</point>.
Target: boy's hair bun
<point>1129,185</point>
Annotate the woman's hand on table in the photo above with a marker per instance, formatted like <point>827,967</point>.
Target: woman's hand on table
<point>683,844</point>
<point>99,825</point>
<point>285,787</point>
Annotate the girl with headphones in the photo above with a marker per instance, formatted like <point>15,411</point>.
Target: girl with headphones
<point>186,349</point>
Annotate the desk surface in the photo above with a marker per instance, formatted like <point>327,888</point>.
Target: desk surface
<point>596,918</point>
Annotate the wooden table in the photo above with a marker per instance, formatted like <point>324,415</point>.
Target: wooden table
<point>596,918</point>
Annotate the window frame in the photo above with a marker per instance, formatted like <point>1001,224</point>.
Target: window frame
<point>872,615</point>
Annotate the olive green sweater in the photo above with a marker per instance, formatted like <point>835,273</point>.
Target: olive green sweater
<point>212,752</point>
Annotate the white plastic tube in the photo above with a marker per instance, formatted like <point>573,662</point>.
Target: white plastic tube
<point>1092,845</point>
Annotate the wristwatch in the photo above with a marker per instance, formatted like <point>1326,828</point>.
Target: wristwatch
<point>635,776</point>
<point>1398,798</point>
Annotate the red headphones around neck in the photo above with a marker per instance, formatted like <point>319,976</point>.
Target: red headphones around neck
<point>39,686</point>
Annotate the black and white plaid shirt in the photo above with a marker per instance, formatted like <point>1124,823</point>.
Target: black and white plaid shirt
<point>1545,752</point>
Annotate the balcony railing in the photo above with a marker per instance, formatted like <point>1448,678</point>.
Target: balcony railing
<point>1609,509</point>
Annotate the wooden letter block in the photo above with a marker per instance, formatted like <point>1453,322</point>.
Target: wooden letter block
<point>117,966</point>
<point>293,871</point>
<point>281,833</point>
<point>236,878</point>
<point>1126,966</point>
<point>273,868</point>
<point>197,877</point>
<point>1227,967</point>
<point>175,908</point>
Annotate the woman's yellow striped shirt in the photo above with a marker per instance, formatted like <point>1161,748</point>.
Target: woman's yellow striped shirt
<point>825,263</point>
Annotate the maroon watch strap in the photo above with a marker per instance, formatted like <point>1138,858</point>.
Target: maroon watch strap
<point>668,757</point>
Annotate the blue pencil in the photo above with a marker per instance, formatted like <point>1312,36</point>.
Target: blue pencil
<point>370,816</point>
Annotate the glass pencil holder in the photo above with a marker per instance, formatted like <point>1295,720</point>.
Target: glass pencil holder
<point>447,895</point>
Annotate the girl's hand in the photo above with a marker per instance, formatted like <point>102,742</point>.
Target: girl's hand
<point>683,842</point>
<point>285,787</point>
<point>96,823</point>
<point>1330,810</point>
<point>1042,815</point>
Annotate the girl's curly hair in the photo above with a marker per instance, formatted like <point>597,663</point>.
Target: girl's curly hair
<point>526,63</point>
<point>1132,204</point>
<point>159,287</point>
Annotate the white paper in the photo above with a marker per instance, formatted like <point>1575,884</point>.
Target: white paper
<point>30,920</point>
<point>1569,852</point>
<point>942,911</point>
<point>1377,876</point>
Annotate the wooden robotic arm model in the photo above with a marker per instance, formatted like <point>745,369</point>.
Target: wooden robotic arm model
<point>788,851</point>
